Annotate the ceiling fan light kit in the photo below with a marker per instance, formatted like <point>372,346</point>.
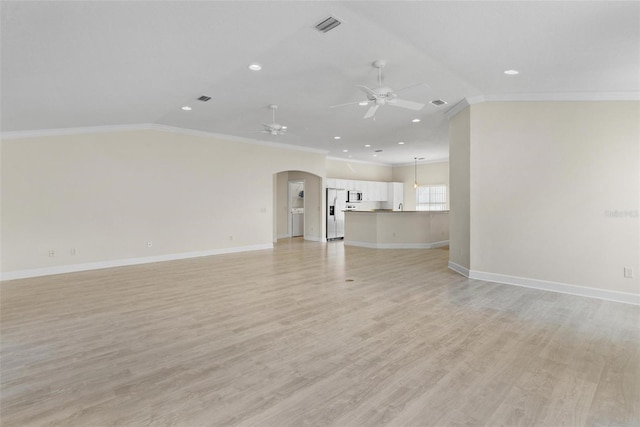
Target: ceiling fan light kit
<point>274,128</point>
<point>382,95</point>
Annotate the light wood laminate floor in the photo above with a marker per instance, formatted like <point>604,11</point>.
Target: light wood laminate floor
<point>311,334</point>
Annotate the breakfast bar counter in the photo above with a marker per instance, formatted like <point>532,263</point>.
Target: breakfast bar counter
<point>397,229</point>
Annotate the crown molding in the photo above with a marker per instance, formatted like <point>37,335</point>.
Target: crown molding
<point>424,162</point>
<point>192,132</point>
<point>458,107</point>
<point>366,162</point>
<point>150,126</point>
<point>541,97</point>
<point>560,96</point>
<point>23,134</point>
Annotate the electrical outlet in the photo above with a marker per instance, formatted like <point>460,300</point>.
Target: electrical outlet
<point>73,252</point>
<point>149,244</point>
<point>628,272</point>
<point>52,252</point>
<point>230,237</point>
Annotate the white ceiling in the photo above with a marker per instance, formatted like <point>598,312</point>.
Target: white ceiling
<point>101,63</point>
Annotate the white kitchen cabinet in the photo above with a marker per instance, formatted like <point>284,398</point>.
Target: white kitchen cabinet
<point>368,191</point>
<point>395,196</point>
<point>382,191</point>
<point>372,191</point>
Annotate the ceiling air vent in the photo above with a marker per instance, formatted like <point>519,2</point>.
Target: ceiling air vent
<point>438,102</point>
<point>328,24</point>
<point>378,151</point>
<point>204,98</point>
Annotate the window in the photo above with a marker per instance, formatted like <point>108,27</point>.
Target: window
<point>431,198</point>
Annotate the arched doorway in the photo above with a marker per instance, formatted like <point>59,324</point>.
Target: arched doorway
<point>309,207</point>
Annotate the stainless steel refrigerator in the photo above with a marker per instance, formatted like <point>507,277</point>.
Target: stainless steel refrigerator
<point>336,204</point>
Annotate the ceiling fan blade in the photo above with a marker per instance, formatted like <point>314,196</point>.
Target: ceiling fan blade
<point>406,104</point>
<point>346,103</point>
<point>371,111</point>
<point>370,93</point>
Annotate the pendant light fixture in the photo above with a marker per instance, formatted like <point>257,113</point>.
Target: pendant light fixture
<point>415,173</point>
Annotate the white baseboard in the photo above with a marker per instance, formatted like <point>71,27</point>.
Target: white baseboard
<point>47,271</point>
<point>314,238</point>
<point>563,288</point>
<point>459,269</point>
<point>396,245</point>
<point>283,236</point>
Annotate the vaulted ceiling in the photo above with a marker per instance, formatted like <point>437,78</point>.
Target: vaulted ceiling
<point>103,63</point>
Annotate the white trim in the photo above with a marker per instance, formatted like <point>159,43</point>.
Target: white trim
<point>47,271</point>
<point>460,106</point>
<point>424,162</point>
<point>544,285</point>
<point>543,96</point>
<point>439,244</point>
<point>314,238</point>
<point>21,134</point>
<point>207,134</point>
<point>458,268</point>
<point>396,245</point>
<point>561,96</point>
<point>366,162</point>
<point>283,236</point>
<point>151,126</point>
<point>563,288</point>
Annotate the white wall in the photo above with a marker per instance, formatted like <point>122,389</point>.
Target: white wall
<point>546,179</point>
<point>428,174</point>
<point>459,163</point>
<point>344,169</point>
<point>281,208</point>
<point>108,194</point>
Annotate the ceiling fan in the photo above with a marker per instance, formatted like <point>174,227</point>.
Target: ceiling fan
<point>383,95</point>
<point>274,128</point>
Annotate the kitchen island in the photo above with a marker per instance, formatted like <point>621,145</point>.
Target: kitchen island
<point>397,229</point>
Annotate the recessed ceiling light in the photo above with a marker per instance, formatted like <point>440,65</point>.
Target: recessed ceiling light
<point>345,151</point>
<point>375,155</point>
<point>367,145</point>
<point>512,72</point>
<point>336,137</point>
<point>400,143</point>
<point>255,67</point>
<point>186,108</point>
<point>363,103</point>
<point>415,120</point>
<point>283,127</point>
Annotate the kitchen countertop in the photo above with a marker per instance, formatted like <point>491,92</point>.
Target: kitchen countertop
<point>392,212</point>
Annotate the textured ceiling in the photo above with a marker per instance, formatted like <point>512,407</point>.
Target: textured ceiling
<point>94,63</point>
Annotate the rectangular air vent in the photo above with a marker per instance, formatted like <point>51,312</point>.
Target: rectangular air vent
<point>438,102</point>
<point>204,98</point>
<point>328,24</point>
